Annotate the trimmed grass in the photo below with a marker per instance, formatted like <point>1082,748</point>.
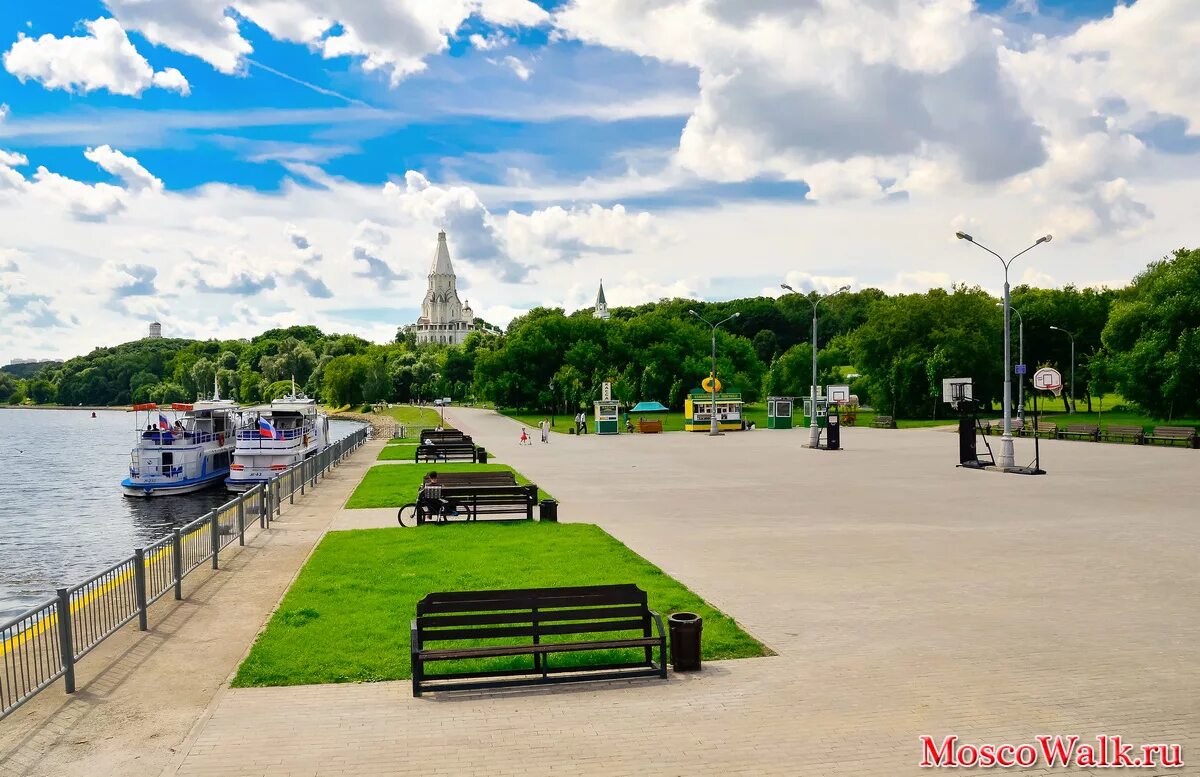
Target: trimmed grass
<point>399,452</point>
<point>346,618</point>
<point>416,419</point>
<point>395,486</point>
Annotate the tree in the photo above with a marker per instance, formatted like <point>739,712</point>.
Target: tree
<point>1153,338</point>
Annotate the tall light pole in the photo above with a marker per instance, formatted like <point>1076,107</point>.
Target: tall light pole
<point>1020,360</point>
<point>714,430</point>
<point>1072,336</point>
<point>1007,458</point>
<point>814,432</point>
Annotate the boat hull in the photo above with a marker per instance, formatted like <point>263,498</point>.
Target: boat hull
<point>131,488</point>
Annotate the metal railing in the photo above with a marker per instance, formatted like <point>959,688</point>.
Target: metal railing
<point>43,643</point>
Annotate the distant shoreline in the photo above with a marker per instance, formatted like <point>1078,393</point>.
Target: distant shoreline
<point>65,407</point>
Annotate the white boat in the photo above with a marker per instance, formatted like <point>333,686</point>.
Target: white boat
<point>276,436</point>
<point>192,452</point>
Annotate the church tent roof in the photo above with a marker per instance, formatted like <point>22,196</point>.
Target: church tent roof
<point>441,257</point>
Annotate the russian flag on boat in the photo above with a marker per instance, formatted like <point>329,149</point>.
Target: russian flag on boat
<point>163,423</point>
<point>266,429</point>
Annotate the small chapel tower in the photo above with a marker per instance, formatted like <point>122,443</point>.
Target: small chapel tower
<point>601,310</point>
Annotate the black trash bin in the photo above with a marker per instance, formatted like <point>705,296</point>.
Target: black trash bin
<point>481,455</point>
<point>549,510</point>
<point>685,629</point>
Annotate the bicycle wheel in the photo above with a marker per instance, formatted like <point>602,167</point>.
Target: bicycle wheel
<point>408,515</point>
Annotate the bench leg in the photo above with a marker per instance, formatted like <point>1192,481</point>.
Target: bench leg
<point>417,675</point>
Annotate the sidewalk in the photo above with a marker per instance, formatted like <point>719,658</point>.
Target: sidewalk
<point>141,693</point>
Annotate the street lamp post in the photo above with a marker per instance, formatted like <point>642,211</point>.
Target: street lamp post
<point>814,432</point>
<point>713,429</point>
<point>1020,360</point>
<point>1072,336</point>
<point>1007,457</point>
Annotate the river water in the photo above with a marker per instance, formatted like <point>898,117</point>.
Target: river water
<point>62,515</point>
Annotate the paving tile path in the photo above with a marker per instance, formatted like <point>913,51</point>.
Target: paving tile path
<point>902,595</point>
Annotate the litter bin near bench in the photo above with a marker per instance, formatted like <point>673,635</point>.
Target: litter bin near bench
<point>481,455</point>
<point>548,511</point>
<point>685,629</point>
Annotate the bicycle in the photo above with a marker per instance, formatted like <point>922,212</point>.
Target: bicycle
<point>408,515</point>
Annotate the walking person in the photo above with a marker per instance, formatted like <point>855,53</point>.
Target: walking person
<point>524,438</point>
<point>583,423</point>
<point>545,427</point>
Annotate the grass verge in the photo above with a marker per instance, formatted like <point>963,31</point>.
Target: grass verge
<point>416,418</point>
<point>346,618</point>
<point>398,452</point>
<point>395,486</point>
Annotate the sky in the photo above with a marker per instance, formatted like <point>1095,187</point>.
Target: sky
<point>228,166</point>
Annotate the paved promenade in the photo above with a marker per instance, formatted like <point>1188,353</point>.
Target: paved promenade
<point>139,694</point>
<point>902,595</point>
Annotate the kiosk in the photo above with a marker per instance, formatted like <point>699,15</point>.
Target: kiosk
<point>608,411</point>
<point>697,411</point>
<point>822,409</point>
<point>779,412</point>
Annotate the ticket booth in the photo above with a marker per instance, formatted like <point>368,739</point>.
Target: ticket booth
<point>822,411</point>
<point>779,412</point>
<point>698,410</point>
<point>607,417</point>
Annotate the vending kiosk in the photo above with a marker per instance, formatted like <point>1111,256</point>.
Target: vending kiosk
<point>608,411</point>
<point>779,412</point>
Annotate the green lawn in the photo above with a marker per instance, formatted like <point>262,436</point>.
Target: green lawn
<point>346,618</point>
<point>400,451</point>
<point>397,485</point>
<point>416,419</point>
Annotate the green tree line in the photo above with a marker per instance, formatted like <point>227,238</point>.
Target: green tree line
<point>1142,341</point>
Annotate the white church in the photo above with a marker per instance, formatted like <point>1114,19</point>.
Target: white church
<point>444,319</point>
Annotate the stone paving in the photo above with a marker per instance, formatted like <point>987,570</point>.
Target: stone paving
<point>902,595</point>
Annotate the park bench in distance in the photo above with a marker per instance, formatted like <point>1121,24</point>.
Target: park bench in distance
<point>883,422</point>
<point>1049,431</point>
<point>1084,431</point>
<point>1174,434</point>
<point>488,499</point>
<point>451,451</point>
<point>445,435</point>
<point>536,622</point>
<point>1135,434</point>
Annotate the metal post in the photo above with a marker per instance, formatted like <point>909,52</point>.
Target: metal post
<point>139,584</point>
<point>242,520</point>
<point>1072,373</point>
<point>177,562</point>
<point>214,528</point>
<point>1007,454</point>
<point>1021,359</point>
<point>814,431</point>
<point>65,649</point>
<point>713,428</point>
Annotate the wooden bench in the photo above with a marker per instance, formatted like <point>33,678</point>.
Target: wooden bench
<point>476,500</point>
<point>1174,434</point>
<point>883,422</point>
<point>502,477</point>
<point>445,435</point>
<point>1049,431</point>
<point>446,452</point>
<point>1083,431</point>
<point>649,427</point>
<point>537,623</point>
<point>1135,434</point>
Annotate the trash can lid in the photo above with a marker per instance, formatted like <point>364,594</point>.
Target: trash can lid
<point>683,617</point>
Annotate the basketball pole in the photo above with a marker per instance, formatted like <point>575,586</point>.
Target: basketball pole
<point>1007,454</point>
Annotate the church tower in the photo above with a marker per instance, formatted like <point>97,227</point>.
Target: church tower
<point>444,318</point>
<point>601,309</point>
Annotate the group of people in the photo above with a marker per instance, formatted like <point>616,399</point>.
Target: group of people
<point>544,429</point>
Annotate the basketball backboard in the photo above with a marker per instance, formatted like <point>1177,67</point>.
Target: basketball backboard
<point>955,390</point>
<point>1048,379</point>
<point>839,393</point>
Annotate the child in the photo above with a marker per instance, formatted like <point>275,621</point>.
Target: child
<point>524,437</point>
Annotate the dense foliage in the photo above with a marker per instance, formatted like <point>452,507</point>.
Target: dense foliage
<point>1142,341</point>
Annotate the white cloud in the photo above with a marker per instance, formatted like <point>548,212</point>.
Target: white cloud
<point>518,67</point>
<point>393,37</point>
<point>136,178</point>
<point>84,201</point>
<point>103,59</point>
<point>4,112</point>
<point>558,234</point>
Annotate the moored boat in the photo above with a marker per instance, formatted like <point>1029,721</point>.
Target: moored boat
<point>191,453</point>
<point>276,436</point>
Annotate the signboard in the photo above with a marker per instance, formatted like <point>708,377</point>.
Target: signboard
<point>606,392</point>
<point>1019,369</point>
<point>1047,379</point>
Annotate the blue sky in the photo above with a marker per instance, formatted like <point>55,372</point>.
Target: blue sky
<point>565,141</point>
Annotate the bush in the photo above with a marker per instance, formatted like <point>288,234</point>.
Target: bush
<point>365,409</point>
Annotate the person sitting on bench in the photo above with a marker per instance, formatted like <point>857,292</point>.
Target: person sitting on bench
<point>430,500</point>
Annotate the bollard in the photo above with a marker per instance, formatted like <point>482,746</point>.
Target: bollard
<point>139,585</point>
<point>65,650</point>
<point>241,520</point>
<point>177,562</point>
<point>214,528</point>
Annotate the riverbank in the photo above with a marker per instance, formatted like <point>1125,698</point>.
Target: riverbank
<point>122,408</point>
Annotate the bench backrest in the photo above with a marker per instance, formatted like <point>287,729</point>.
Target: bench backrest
<point>1083,428</point>
<point>448,435</point>
<point>530,613</point>
<point>1174,431</point>
<point>489,493</point>
<point>495,478</point>
<point>1135,431</point>
<point>1048,428</point>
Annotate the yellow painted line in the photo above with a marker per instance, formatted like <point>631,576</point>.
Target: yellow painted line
<point>45,624</point>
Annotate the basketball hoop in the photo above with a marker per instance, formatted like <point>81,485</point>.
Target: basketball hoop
<point>1048,379</point>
